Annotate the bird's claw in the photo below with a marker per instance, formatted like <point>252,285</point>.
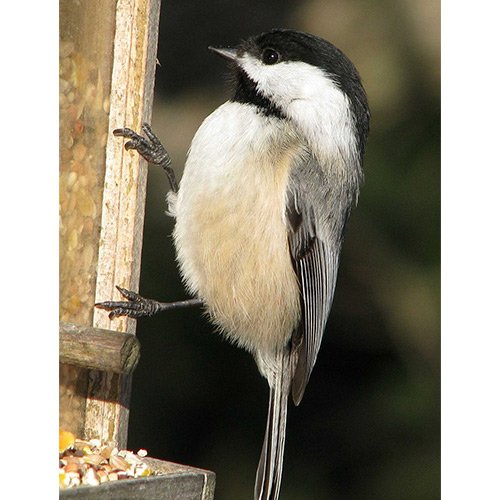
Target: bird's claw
<point>135,306</point>
<point>149,147</point>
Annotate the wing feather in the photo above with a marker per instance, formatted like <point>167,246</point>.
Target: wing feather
<point>316,214</point>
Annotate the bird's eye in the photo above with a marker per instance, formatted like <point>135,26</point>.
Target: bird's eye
<point>270,56</point>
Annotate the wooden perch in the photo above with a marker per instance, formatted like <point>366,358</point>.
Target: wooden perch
<point>98,349</point>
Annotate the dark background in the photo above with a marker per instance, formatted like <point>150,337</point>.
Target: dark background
<point>369,424</point>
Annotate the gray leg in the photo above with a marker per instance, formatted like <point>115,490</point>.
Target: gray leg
<point>137,306</point>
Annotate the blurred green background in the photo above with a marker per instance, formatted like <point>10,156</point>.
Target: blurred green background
<point>369,424</point>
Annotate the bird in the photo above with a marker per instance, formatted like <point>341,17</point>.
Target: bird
<point>260,213</point>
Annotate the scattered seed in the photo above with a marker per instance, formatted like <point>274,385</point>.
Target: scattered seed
<point>91,478</point>
<point>106,452</point>
<point>118,463</point>
<point>91,462</point>
<point>66,440</point>
<point>83,122</point>
<point>93,459</point>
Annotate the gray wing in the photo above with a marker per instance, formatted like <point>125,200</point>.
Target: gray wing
<point>317,209</point>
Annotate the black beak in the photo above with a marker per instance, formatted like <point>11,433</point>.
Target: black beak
<point>226,53</point>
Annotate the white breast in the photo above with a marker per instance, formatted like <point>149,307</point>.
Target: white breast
<point>230,232</point>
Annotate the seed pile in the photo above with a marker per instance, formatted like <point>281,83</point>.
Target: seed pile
<point>83,124</point>
<point>92,462</point>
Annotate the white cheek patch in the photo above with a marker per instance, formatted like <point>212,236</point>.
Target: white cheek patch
<point>309,97</point>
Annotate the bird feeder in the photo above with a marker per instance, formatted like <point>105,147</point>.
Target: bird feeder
<point>107,67</point>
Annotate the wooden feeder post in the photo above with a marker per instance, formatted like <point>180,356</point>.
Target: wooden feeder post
<point>107,67</point>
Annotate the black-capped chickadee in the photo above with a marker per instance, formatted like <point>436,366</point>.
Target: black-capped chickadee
<point>269,183</point>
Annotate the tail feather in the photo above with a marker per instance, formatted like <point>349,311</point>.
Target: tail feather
<point>268,479</point>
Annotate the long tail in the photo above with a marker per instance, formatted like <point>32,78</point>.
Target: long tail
<point>268,479</point>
